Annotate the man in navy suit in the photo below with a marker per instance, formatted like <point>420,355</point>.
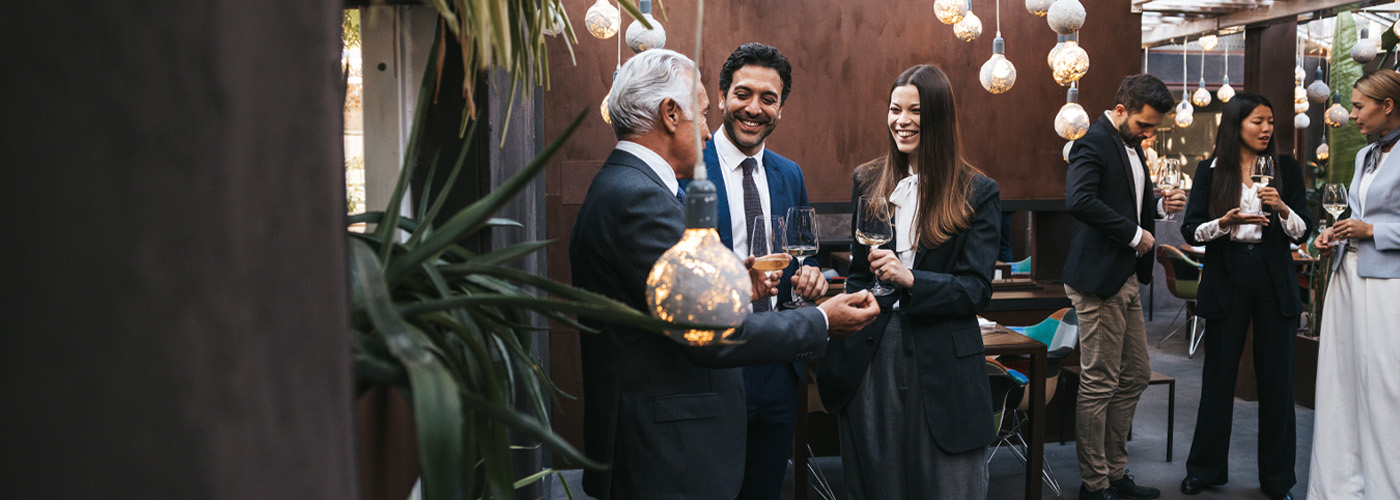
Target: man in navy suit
<point>752,181</point>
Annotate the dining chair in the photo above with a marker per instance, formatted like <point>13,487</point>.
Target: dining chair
<point>1183,279</point>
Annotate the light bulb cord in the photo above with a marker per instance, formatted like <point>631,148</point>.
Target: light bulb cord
<point>1185,87</point>
<point>998,4</point>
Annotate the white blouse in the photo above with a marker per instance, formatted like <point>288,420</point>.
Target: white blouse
<point>1293,225</point>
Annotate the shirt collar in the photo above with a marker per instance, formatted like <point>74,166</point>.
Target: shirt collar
<point>729,155</point>
<point>653,160</point>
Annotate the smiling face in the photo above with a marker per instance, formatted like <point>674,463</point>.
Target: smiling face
<point>752,107</point>
<point>903,118</point>
<point>1257,129</point>
<point>1371,116</point>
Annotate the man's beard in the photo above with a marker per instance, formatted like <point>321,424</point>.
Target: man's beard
<point>1128,138</point>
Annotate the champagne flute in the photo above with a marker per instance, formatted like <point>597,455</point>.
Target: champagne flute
<point>801,242</point>
<point>1334,201</point>
<point>766,244</point>
<point>1168,178</point>
<point>873,228</point>
<point>1262,174</point>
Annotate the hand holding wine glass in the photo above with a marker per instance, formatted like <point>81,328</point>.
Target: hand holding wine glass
<point>766,245</point>
<point>874,228</point>
<point>1334,201</point>
<point>1168,178</point>
<point>802,242</point>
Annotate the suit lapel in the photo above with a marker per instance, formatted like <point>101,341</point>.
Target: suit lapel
<point>778,192</point>
<point>716,173</point>
<point>1128,174</point>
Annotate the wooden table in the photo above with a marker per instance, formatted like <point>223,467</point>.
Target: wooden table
<point>1002,341</point>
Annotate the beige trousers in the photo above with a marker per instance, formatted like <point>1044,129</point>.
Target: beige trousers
<point>1114,371</point>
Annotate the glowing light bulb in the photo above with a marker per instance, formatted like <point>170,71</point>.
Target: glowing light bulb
<point>640,38</point>
<point>1185,114</point>
<point>1059,44</point>
<point>1209,42</point>
<point>1070,63</point>
<point>949,11</point>
<point>1299,74</point>
<point>1317,90</point>
<point>1365,49</point>
<point>1323,152</point>
<point>969,28</point>
<point>1300,99</point>
<point>603,110</point>
<point>1072,122</point>
<point>998,74</point>
<point>602,20</point>
<point>699,280</point>
<point>1065,16</point>
<point>1301,121</point>
<point>1041,7</point>
<point>1336,115</point>
<point>1201,98</point>
<point>1225,92</point>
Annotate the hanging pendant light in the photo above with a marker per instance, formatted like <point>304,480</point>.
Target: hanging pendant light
<point>970,27</point>
<point>1065,16</point>
<point>1070,63</point>
<point>1300,99</point>
<point>1208,42</point>
<point>1323,151</point>
<point>1317,90</point>
<point>639,37</point>
<point>1365,49</point>
<point>1072,122</point>
<point>1301,121</point>
<point>998,75</point>
<point>1041,7</point>
<point>1336,115</point>
<point>602,20</point>
<point>554,24</point>
<point>1299,75</point>
<point>1059,44</point>
<point>949,11</point>
<point>1201,98</point>
<point>1185,113</point>
<point>1225,92</point>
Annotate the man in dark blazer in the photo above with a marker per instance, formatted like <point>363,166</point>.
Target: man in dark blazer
<point>669,418</point>
<point>1109,192</point>
<point>753,86</point>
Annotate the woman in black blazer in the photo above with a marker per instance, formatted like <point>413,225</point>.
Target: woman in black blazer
<point>910,391</point>
<point>1249,278</point>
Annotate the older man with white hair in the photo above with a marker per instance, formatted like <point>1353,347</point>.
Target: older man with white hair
<point>669,418</point>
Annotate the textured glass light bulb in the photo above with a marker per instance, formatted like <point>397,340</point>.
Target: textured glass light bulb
<point>1365,49</point>
<point>1040,7</point>
<point>1059,44</point>
<point>1301,121</point>
<point>1300,99</point>
<point>554,23</point>
<point>969,28</point>
<point>1208,42</point>
<point>1225,92</point>
<point>1317,90</point>
<point>949,11</point>
<point>1185,114</point>
<point>602,20</point>
<point>1299,75</point>
<point>1323,152</point>
<point>1065,16</point>
<point>1201,97</point>
<point>998,74</point>
<point>1070,63</point>
<point>1072,122</point>
<point>1301,107</point>
<point>699,280</point>
<point>1336,115</point>
<point>640,38</point>
<point>603,109</point>
<point>1065,152</point>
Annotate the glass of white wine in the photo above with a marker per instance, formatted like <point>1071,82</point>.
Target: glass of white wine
<point>1334,201</point>
<point>1168,177</point>
<point>873,228</point>
<point>801,242</point>
<point>766,244</point>
<point>1262,174</point>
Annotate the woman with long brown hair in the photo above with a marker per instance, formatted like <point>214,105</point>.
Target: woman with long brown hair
<point>910,391</point>
<point>1358,375</point>
<point>1246,224</point>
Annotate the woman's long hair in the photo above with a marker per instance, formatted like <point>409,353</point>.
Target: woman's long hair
<point>944,176</point>
<point>1228,179</point>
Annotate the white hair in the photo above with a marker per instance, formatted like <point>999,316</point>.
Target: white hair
<point>643,83</point>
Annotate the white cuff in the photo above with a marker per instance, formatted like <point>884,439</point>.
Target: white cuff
<point>1209,231</point>
<point>1293,226</point>
<point>1161,208</point>
<point>825,321</point>
<point>1137,238</point>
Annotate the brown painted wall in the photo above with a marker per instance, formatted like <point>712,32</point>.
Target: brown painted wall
<point>845,55</point>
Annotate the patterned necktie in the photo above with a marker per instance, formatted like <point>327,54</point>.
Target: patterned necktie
<point>753,209</point>
<point>680,195</point>
<point>1373,157</point>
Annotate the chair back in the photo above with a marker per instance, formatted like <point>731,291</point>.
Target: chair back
<point>1183,274</point>
<point>1002,383</point>
<point>1022,266</point>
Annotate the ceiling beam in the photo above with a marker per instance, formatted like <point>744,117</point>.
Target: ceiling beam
<point>1164,33</point>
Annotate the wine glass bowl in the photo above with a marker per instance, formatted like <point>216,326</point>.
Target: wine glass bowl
<point>767,243</point>
<point>874,228</point>
<point>1261,174</point>
<point>1168,177</point>
<point>1334,201</point>
<point>801,242</point>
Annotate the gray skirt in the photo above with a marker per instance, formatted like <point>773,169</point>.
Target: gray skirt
<point>887,449</point>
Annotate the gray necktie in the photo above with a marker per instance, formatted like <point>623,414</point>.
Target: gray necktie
<point>753,209</point>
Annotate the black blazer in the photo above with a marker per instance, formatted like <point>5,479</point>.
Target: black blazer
<point>1099,194</point>
<point>669,418</point>
<point>1213,296</point>
<point>952,283</point>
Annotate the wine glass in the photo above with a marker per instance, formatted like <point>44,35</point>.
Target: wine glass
<point>801,242</point>
<point>873,228</point>
<point>766,244</point>
<point>1262,173</point>
<point>1168,177</point>
<point>1334,201</point>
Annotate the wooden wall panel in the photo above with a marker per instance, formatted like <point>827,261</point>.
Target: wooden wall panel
<point>845,55</point>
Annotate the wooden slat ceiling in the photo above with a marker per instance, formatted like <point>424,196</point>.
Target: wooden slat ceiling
<point>1165,20</point>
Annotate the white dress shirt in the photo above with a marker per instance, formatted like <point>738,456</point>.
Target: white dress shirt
<point>729,159</point>
<point>1249,233</point>
<point>655,161</point>
<point>905,199</point>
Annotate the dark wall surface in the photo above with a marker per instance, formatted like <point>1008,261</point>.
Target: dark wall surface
<point>845,55</point>
<point>176,322</point>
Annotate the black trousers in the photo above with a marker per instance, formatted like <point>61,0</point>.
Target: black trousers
<point>771,393</point>
<point>1253,299</point>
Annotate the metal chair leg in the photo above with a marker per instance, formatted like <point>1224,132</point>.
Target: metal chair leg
<point>1195,338</point>
<point>1169,325</point>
